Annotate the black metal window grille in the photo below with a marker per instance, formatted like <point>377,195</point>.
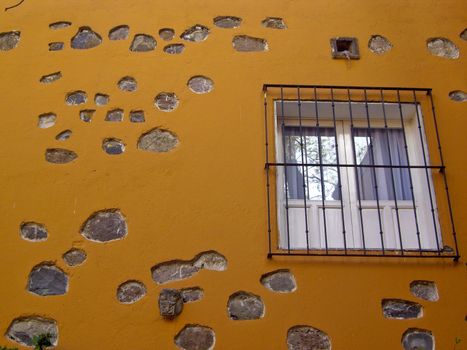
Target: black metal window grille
<point>355,171</point>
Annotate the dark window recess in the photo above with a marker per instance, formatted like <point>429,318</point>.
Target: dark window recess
<point>345,48</point>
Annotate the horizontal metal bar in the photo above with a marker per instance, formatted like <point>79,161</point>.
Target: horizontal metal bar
<point>362,255</point>
<point>442,167</point>
<point>266,86</point>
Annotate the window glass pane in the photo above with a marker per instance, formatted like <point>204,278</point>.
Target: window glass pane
<point>302,147</point>
<point>381,147</point>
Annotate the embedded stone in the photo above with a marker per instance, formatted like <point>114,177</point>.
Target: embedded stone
<point>157,140</point>
<point>9,40</point>
<point>33,231</point>
<point>167,34</point>
<point>119,32</point>
<point>59,25</point>
<point>401,309</point>
<point>59,155</point>
<point>137,117</point>
<point>170,303</point>
<point>166,101</point>
<point>245,43</point>
<point>196,33</point>
<point>74,257</point>
<point>280,281</point>
<point>130,292</point>
<point>127,84</point>
<point>101,99</point>
<point>113,146</point>
<point>463,35</point>
<point>46,120</point>
<point>442,47</point>
<point>307,338</point>
<point>174,49</point>
<point>274,23</point>
<point>379,45</point>
<point>23,330</point>
<point>50,78</point>
<point>190,295</point>
<point>64,135</point>
<point>143,43</point>
<point>210,260</point>
<point>227,22</point>
<point>76,98</point>
<point>85,39</point>
<point>114,115</point>
<point>195,337</point>
<point>200,84</point>
<point>418,339</point>
<point>105,226</point>
<point>56,46</point>
<point>47,279</point>
<point>174,270</point>
<point>425,290</point>
<point>458,96</point>
<point>245,306</point>
<point>86,115</point>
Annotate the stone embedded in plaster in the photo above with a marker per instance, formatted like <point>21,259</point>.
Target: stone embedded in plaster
<point>192,294</point>
<point>120,32</point>
<point>425,290</point>
<point>379,45</point>
<point>210,260</point>
<point>76,98</point>
<point>86,115</point>
<point>114,115</point>
<point>113,146</point>
<point>46,279</point>
<point>401,309</point>
<point>46,120</point>
<point>127,84</point>
<point>280,281</point>
<point>245,43</point>
<point>130,292</point>
<point>9,40</point>
<point>101,99</point>
<point>196,33</point>
<point>105,226</point>
<point>85,39</point>
<point>56,46</point>
<point>463,35</point>
<point>200,84</point>
<point>245,306</point>
<point>195,337</point>
<point>174,270</point>
<point>50,78</point>
<point>418,339</point>
<point>22,330</point>
<point>170,303</point>
<point>166,101</point>
<point>157,140</point>
<point>59,25</point>
<point>458,96</point>
<point>64,135</point>
<point>227,22</point>
<point>174,49</point>
<point>442,47</point>
<point>167,34</point>
<point>60,155</point>
<point>304,337</point>
<point>74,257</point>
<point>274,23</point>
<point>137,116</point>
<point>143,43</point>
<point>33,231</point>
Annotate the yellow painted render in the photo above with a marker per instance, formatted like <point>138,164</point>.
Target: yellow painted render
<point>210,192</point>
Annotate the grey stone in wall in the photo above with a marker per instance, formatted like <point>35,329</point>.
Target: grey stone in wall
<point>173,271</point>
<point>304,337</point>
<point>418,339</point>
<point>114,115</point>
<point>195,337</point>
<point>130,292</point>
<point>137,117</point>
<point>379,45</point>
<point>245,306</point>
<point>113,146</point>
<point>170,303</point>
<point>174,49</point>
<point>119,32</point>
<point>105,226</point>
<point>85,39</point>
<point>50,78</point>
<point>200,84</point>
<point>76,98</point>
<point>59,155</point>
<point>227,22</point>
<point>196,33</point>
<point>127,84</point>
<point>74,257</point>
<point>157,140</point>
<point>167,34</point>
<point>401,309</point>
<point>463,35</point>
<point>101,99</point>
<point>9,40</point>
<point>274,23</point>
<point>59,25</point>
<point>166,101</point>
<point>280,281</point>
<point>56,46</point>
<point>210,260</point>
<point>33,231</point>
<point>64,135</point>
<point>47,279</point>
<point>143,43</point>
<point>86,115</point>
<point>22,330</point>
<point>46,120</point>
<point>192,294</point>
<point>458,96</point>
<point>442,47</point>
<point>245,43</point>
<point>425,290</point>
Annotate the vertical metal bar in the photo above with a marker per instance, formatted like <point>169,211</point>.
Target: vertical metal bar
<point>451,216</point>
<point>338,169</point>
<point>304,168</point>
<point>285,171</point>
<point>321,170</point>
<point>267,169</point>
<point>410,172</point>
<point>392,172</point>
<point>372,157</point>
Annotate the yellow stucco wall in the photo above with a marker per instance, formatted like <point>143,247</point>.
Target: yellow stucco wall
<point>209,192</point>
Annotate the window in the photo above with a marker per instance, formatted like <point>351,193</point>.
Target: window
<point>352,174</point>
